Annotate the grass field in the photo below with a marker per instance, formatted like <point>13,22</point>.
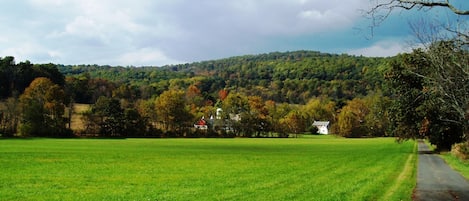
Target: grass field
<point>317,168</point>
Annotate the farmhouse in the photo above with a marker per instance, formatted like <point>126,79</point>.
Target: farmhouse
<point>201,124</point>
<point>218,121</point>
<point>323,127</point>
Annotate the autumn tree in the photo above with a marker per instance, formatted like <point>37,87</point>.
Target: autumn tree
<point>194,98</point>
<point>126,92</point>
<point>146,109</point>
<point>172,112</point>
<point>320,109</point>
<point>351,119</point>
<point>254,121</point>
<point>43,105</point>
<point>234,106</point>
<point>15,77</point>
<point>222,94</point>
<point>295,122</point>
<point>275,118</point>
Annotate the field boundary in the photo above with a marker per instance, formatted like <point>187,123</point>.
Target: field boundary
<point>405,174</point>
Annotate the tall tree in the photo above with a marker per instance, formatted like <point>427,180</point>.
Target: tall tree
<point>276,114</point>
<point>110,115</point>
<point>172,112</point>
<point>254,120</point>
<point>320,109</point>
<point>377,120</point>
<point>234,106</point>
<point>10,117</point>
<point>294,122</point>
<point>440,68</point>
<point>429,97</point>
<point>43,105</point>
<point>351,119</point>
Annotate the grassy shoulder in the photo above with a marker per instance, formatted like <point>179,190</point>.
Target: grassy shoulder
<point>454,162</point>
<point>457,164</point>
<point>406,181</point>
<point>321,168</point>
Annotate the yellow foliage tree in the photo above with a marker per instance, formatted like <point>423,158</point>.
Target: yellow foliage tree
<point>351,119</point>
<point>43,107</point>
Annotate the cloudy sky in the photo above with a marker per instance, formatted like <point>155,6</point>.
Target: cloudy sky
<point>160,32</point>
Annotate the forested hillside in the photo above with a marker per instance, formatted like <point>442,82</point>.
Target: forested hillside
<point>292,77</point>
<point>267,95</point>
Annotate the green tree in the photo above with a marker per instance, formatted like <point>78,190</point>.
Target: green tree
<point>425,99</point>
<point>377,121</point>
<point>110,115</point>
<point>50,71</point>
<point>136,125</point>
<point>440,104</point>
<point>43,105</point>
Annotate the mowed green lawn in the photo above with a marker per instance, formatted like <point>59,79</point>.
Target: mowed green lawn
<point>318,168</point>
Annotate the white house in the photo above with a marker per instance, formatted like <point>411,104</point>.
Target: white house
<point>323,127</point>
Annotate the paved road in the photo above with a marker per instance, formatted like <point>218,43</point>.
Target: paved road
<point>436,180</point>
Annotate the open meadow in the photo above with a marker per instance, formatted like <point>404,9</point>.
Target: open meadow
<point>316,168</point>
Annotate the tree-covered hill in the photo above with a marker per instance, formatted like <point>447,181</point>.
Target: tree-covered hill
<point>259,95</point>
<point>292,77</point>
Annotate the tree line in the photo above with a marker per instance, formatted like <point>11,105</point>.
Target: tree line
<point>285,94</point>
<point>38,99</point>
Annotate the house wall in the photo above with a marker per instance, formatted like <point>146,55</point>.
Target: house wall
<point>323,130</point>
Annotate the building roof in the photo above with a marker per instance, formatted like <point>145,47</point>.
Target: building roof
<point>321,123</point>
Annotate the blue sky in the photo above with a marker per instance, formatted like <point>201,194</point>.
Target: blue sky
<point>161,32</point>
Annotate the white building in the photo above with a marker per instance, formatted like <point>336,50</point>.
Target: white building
<point>323,127</point>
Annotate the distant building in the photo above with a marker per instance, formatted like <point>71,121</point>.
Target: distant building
<point>323,127</point>
<point>218,121</point>
<point>201,124</point>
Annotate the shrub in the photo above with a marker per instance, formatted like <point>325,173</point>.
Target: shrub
<point>313,130</point>
<point>461,150</point>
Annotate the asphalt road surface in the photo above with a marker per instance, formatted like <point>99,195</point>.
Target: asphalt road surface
<point>436,180</point>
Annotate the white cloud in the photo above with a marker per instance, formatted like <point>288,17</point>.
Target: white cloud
<point>158,32</point>
<point>28,51</point>
<point>145,56</point>
<point>311,14</point>
<point>384,48</point>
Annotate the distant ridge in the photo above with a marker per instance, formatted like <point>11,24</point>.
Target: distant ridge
<point>292,77</point>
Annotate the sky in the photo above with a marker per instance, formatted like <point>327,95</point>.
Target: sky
<point>163,32</point>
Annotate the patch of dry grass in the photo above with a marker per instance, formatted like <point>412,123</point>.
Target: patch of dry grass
<point>77,122</point>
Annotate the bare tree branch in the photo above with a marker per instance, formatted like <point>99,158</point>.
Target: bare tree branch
<point>409,4</point>
<point>383,8</point>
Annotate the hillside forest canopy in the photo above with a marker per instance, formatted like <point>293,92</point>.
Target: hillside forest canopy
<point>266,95</point>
